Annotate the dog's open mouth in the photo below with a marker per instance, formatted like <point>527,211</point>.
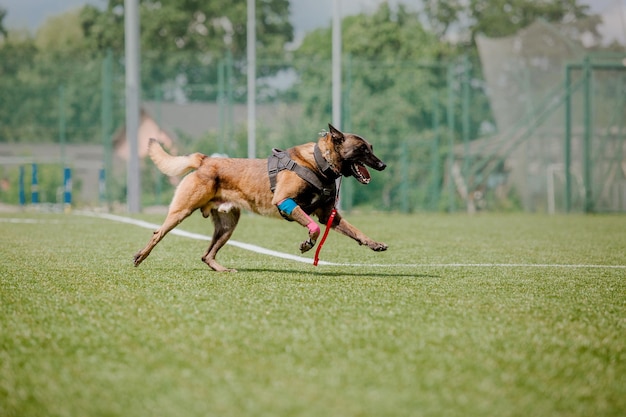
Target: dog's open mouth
<point>360,173</point>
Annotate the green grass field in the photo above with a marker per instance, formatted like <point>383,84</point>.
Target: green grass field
<point>491,315</point>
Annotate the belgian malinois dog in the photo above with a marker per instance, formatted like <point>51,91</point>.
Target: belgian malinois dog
<point>294,184</point>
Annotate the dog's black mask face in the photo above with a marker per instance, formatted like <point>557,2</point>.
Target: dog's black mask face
<point>356,153</point>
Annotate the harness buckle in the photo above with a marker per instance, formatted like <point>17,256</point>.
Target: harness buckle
<point>290,164</point>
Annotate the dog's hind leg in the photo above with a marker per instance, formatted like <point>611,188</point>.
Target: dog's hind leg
<point>224,223</point>
<point>172,220</point>
<point>185,202</point>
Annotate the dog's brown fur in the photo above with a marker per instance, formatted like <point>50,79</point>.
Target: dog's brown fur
<point>222,187</point>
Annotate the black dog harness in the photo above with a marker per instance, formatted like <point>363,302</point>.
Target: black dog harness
<point>324,181</point>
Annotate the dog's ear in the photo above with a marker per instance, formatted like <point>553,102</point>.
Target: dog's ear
<point>336,134</point>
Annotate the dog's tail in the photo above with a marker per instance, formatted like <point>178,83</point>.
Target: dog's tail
<point>173,166</point>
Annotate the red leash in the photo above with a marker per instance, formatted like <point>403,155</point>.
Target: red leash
<point>319,247</point>
<point>328,224</point>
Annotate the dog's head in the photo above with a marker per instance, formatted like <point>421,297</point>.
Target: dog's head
<point>353,154</point>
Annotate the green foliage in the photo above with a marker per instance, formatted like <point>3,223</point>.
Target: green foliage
<point>185,41</point>
<point>61,35</point>
<point>50,184</point>
<point>396,80</point>
<point>381,47</point>
<point>204,28</point>
<point>505,17</point>
<point>3,30</point>
<point>495,18</point>
<point>14,56</point>
<point>396,85</point>
<point>52,85</point>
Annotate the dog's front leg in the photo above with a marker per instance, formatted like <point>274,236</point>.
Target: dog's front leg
<point>342,226</point>
<point>293,211</point>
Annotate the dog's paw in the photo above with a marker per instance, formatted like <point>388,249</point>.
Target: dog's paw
<point>377,246</point>
<point>306,245</point>
<point>138,258</point>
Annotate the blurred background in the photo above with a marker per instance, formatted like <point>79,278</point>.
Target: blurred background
<point>499,105</point>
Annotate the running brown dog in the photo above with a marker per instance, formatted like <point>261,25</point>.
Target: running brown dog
<point>293,183</point>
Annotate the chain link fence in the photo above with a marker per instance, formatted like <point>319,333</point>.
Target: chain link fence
<point>534,123</point>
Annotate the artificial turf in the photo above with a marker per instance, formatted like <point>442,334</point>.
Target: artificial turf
<point>490,315</point>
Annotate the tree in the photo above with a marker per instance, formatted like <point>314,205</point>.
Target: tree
<point>199,27</point>
<point>62,34</point>
<point>3,14</point>
<point>59,71</point>
<point>381,47</point>
<point>188,38</point>
<point>48,81</point>
<point>496,18</point>
<point>442,15</point>
<point>16,54</point>
<point>395,75</point>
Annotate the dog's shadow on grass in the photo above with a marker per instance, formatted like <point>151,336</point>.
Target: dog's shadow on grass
<point>322,273</point>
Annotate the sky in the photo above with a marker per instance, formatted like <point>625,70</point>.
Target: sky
<point>306,14</point>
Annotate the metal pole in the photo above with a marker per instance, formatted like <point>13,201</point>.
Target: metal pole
<point>435,166</point>
<point>107,124</point>
<point>131,39</point>
<point>336,64</point>
<point>587,139</point>
<point>251,51</point>
<point>158,176</point>
<point>221,68</point>
<point>568,139</point>
<point>450,118</point>
<point>336,72</point>
<point>230,94</point>
<point>34,189</point>
<point>347,189</point>
<point>466,117</point>
<point>22,189</point>
<point>404,184</point>
<point>67,189</point>
<point>62,124</point>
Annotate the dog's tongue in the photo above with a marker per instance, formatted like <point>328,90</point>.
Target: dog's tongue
<point>363,171</point>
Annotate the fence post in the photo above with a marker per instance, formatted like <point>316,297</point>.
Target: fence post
<point>404,182</point>
<point>568,139</point>
<point>587,168</point>
<point>435,165</point>
<point>450,119</point>
<point>230,118</point>
<point>107,125</point>
<point>221,103</point>
<point>466,116</point>
<point>346,199</point>
<point>22,191</point>
<point>67,189</point>
<point>102,185</point>
<point>34,188</point>
<point>62,122</point>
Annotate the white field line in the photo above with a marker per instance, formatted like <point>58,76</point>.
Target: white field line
<point>282,255</point>
<point>197,236</point>
<point>27,221</point>
<point>482,265</point>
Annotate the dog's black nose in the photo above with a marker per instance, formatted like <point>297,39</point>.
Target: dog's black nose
<point>381,165</point>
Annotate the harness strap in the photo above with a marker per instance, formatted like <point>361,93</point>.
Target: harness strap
<point>326,169</point>
<point>279,161</point>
